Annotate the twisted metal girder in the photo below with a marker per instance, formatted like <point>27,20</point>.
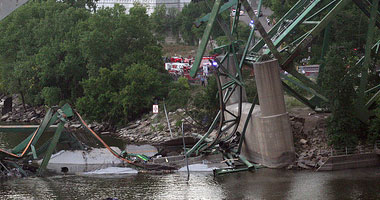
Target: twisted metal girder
<point>314,16</point>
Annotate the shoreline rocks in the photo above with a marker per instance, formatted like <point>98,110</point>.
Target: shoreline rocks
<point>309,133</point>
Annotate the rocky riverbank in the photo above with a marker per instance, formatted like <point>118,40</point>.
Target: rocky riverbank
<point>308,128</point>
<point>310,140</point>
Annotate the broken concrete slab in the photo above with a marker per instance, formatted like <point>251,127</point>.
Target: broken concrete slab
<point>145,149</point>
<point>112,170</point>
<point>198,168</point>
<point>70,162</point>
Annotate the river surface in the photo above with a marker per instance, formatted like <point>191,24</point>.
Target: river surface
<point>262,184</point>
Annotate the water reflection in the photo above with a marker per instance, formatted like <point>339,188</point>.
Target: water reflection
<point>263,184</point>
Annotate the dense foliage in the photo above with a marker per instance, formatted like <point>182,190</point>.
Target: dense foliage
<point>201,103</point>
<point>340,77</point>
<point>40,50</point>
<point>338,83</point>
<point>181,24</point>
<point>107,63</point>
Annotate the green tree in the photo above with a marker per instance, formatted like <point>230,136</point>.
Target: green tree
<point>124,65</point>
<point>173,21</point>
<point>159,20</point>
<point>344,128</point>
<point>113,37</point>
<point>117,96</point>
<point>39,48</point>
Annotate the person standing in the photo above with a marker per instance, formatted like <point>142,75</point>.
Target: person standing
<point>203,81</point>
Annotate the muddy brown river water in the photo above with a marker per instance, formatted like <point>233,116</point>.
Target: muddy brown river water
<point>262,184</point>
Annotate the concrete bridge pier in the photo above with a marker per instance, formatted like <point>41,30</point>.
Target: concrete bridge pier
<point>269,139</point>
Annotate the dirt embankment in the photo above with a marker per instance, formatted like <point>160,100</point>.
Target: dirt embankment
<point>310,138</point>
<point>308,128</point>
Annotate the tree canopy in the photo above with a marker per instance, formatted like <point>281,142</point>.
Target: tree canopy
<point>52,52</point>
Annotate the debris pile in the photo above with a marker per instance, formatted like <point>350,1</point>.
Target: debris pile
<point>155,129</point>
<point>310,141</point>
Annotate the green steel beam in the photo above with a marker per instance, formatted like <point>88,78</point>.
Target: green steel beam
<point>300,98</point>
<point>291,13</point>
<point>375,46</point>
<point>326,41</point>
<point>223,8</point>
<point>200,142</point>
<point>205,38</point>
<point>315,32</point>
<point>261,30</point>
<point>40,130</point>
<point>251,36</point>
<point>372,100</point>
<point>17,166</point>
<point>50,149</point>
<point>291,70</point>
<point>364,5</point>
<point>321,10</point>
<point>300,85</point>
<point>236,18</point>
<point>242,137</point>
<point>299,19</point>
<point>22,128</point>
<point>33,151</point>
<point>287,64</point>
<point>367,58</point>
<point>373,89</point>
<point>311,22</point>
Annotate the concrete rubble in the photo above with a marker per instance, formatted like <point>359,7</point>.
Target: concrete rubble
<point>308,130</point>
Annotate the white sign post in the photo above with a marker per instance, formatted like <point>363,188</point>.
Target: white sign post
<point>155,109</point>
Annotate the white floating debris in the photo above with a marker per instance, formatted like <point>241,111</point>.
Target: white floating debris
<point>198,168</point>
<point>113,170</point>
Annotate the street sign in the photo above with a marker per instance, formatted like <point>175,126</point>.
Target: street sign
<point>155,109</point>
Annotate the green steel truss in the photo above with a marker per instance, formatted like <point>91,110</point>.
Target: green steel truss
<point>292,34</point>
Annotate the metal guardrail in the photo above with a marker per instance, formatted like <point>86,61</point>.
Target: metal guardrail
<point>355,150</point>
<point>377,144</point>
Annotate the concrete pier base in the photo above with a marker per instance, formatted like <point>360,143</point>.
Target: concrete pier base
<point>268,138</point>
<point>270,143</point>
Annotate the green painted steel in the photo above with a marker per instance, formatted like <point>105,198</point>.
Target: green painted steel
<point>377,87</point>
<point>312,13</point>
<point>287,64</point>
<point>299,97</point>
<point>205,38</point>
<point>326,40</point>
<point>289,15</point>
<point>297,22</point>
<point>223,8</point>
<point>22,128</point>
<point>242,137</point>
<point>368,49</point>
<point>50,149</point>
<point>33,151</point>
<point>201,141</point>
<point>40,130</point>
<point>372,100</point>
<point>315,32</point>
<point>251,38</point>
<point>261,30</point>
<point>9,162</point>
<point>300,85</point>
